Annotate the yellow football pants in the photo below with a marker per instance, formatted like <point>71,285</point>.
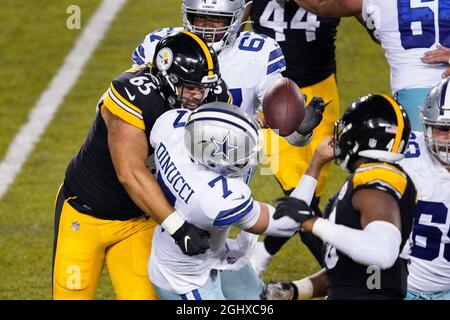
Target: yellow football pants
<point>287,162</point>
<point>84,244</point>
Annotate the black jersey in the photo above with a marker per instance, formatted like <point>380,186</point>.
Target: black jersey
<point>347,279</point>
<point>91,182</point>
<point>307,41</point>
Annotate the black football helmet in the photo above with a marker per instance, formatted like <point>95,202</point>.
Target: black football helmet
<point>375,127</point>
<point>184,60</point>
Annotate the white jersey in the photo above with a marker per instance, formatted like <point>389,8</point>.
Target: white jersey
<point>249,66</point>
<point>207,199</point>
<point>407,29</point>
<point>429,270</point>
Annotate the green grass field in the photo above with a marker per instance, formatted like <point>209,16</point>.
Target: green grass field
<point>33,43</point>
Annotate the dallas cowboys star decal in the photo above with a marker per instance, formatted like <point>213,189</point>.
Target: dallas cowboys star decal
<point>223,147</point>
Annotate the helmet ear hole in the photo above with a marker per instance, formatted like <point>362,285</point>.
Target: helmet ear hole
<point>173,78</point>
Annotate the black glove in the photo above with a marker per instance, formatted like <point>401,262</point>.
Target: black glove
<point>313,116</point>
<point>192,240</point>
<point>294,208</point>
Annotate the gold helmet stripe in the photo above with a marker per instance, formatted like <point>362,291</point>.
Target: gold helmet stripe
<point>206,51</point>
<point>400,122</point>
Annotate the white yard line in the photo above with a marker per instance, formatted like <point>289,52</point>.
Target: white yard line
<point>62,82</point>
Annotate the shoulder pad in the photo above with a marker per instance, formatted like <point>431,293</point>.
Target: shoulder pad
<point>382,176</point>
<point>128,94</point>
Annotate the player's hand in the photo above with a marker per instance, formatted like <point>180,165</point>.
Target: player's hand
<point>296,209</point>
<point>313,116</point>
<point>324,152</point>
<point>191,240</point>
<point>259,117</point>
<point>279,291</point>
<point>439,55</point>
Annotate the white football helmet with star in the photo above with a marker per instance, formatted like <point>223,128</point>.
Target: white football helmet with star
<point>224,139</point>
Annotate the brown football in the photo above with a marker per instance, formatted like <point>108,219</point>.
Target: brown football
<point>284,106</point>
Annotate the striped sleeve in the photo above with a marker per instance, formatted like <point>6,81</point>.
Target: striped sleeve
<point>276,62</point>
<point>122,108</point>
<point>230,216</point>
<point>381,176</point>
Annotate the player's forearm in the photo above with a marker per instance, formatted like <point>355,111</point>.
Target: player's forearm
<point>377,244</point>
<point>267,225</point>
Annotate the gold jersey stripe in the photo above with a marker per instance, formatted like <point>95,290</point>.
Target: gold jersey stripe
<point>388,166</point>
<point>123,100</point>
<point>384,176</point>
<point>208,55</point>
<point>230,99</point>
<point>400,122</point>
<point>123,114</point>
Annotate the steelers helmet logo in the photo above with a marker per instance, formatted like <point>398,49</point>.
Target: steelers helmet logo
<point>164,59</point>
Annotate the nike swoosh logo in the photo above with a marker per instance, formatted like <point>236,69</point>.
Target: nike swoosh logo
<point>240,198</point>
<point>131,96</point>
<point>186,239</point>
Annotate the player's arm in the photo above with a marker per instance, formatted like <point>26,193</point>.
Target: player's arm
<point>128,146</point>
<point>267,221</point>
<point>331,8</point>
<point>378,243</point>
<point>305,189</point>
<point>129,150</point>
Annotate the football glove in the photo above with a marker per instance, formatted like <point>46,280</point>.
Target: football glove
<point>294,208</point>
<point>313,116</point>
<point>191,240</point>
<point>279,291</point>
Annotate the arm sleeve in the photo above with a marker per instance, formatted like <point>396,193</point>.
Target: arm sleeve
<point>305,189</point>
<point>378,244</point>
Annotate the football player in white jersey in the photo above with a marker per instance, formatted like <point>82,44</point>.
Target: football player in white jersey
<point>201,159</point>
<point>428,165</point>
<point>406,29</point>
<point>250,63</point>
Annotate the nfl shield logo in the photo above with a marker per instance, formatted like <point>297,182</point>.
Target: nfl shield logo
<point>75,226</point>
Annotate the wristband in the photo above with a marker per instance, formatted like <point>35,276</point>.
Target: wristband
<point>305,289</point>
<point>173,222</point>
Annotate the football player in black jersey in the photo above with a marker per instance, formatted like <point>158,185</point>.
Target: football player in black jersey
<point>308,43</point>
<point>109,203</point>
<point>370,218</point>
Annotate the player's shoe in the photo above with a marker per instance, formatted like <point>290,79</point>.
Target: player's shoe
<point>279,291</point>
<point>260,258</point>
